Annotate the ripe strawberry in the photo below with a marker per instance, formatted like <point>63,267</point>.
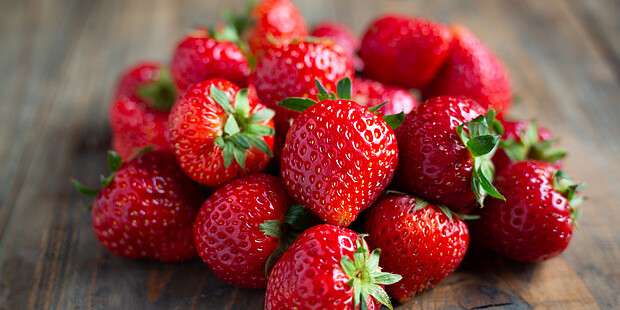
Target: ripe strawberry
<point>423,243</point>
<point>328,267</point>
<point>206,54</point>
<point>404,51</point>
<point>371,93</point>
<point>270,22</point>
<point>214,122</point>
<point>475,72</point>
<point>536,220</point>
<point>524,140</point>
<point>445,146</point>
<point>146,208</point>
<point>343,36</point>
<point>227,234</point>
<point>139,112</point>
<point>338,156</point>
<point>290,70</point>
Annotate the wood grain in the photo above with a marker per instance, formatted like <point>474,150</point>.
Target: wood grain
<point>58,64</point>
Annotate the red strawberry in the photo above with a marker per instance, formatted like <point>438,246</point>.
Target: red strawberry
<point>227,234</point>
<point>205,54</point>
<point>343,36</point>
<point>146,208</point>
<point>328,267</point>
<point>473,71</point>
<point>445,146</point>
<point>423,243</point>
<point>404,51</point>
<point>213,123</point>
<point>269,22</point>
<point>524,140</point>
<point>536,220</point>
<point>290,70</point>
<point>338,156</point>
<point>371,93</point>
<point>139,112</point>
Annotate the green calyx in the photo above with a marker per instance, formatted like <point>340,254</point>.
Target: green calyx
<point>242,130</point>
<point>365,276</point>
<point>531,147</point>
<point>242,21</point>
<point>563,184</point>
<point>296,220</point>
<point>420,204</point>
<point>482,139</point>
<point>343,91</point>
<point>161,93</point>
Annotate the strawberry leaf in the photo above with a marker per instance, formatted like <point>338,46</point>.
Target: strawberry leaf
<point>343,89</point>
<point>482,145</point>
<point>228,153</point>
<point>271,228</point>
<point>242,105</point>
<point>297,104</point>
<point>380,295</point>
<point>376,108</point>
<point>241,141</point>
<point>394,120</point>
<point>323,93</point>
<point>258,143</point>
<point>488,187</point>
<point>83,189</point>
<point>261,115</point>
<point>114,161</point>
<point>222,99</point>
<point>231,127</point>
<point>260,130</point>
<point>239,154</point>
<point>161,93</point>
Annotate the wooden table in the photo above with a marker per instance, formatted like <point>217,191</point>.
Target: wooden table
<point>58,65</point>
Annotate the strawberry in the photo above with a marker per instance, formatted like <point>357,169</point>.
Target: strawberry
<point>524,140</point>
<point>404,51</point>
<point>272,21</point>
<point>139,112</point>
<point>445,148</point>
<point>338,156</point>
<point>205,54</point>
<point>422,242</point>
<point>371,93</point>
<point>289,70</point>
<point>215,122</point>
<point>227,234</point>
<point>343,36</point>
<point>473,71</point>
<point>146,208</point>
<point>536,220</point>
<point>328,267</point>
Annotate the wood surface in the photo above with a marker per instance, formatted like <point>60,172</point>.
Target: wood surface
<point>58,64</point>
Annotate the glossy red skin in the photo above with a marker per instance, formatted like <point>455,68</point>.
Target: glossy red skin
<point>309,274</point>
<point>279,18</point>
<point>148,210</point>
<point>475,72</point>
<point>290,70</point>
<point>404,51</point>
<point>226,230</point>
<point>534,222</point>
<point>337,159</point>
<point>371,93</point>
<point>513,131</point>
<point>423,246</point>
<point>343,36</point>
<point>435,164</point>
<point>134,124</point>
<point>199,57</point>
<point>196,119</point>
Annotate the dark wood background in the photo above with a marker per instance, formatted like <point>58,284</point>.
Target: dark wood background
<point>58,64</point>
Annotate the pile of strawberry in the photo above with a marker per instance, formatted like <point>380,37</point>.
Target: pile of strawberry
<point>335,127</point>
